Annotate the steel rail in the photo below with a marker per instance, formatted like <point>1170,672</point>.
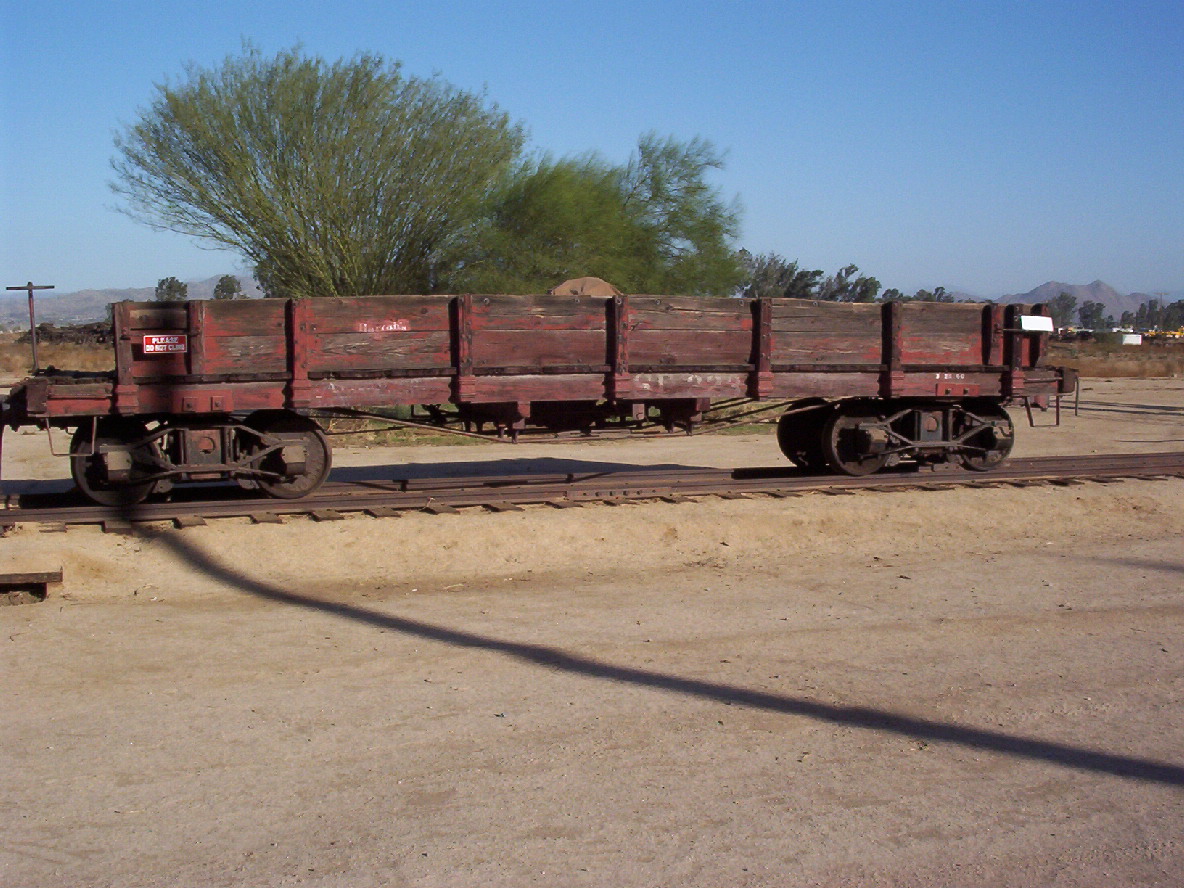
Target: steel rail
<point>499,493</point>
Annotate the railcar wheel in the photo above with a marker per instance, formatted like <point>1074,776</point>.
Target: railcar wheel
<point>847,448</point>
<point>994,442</point>
<point>90,472</point>
<point>799,435</point>
<point>302,435</point>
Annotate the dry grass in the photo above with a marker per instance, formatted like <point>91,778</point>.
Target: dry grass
<point>1149,360</point>
<point>375,433</point>
<point>16,361</point>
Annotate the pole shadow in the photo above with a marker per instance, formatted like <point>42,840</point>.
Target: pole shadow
<point>866,718</point>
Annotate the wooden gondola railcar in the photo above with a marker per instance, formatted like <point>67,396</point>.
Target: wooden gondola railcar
<point>209,390</point>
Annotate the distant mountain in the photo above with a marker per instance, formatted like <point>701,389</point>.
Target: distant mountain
<point>85,306</point>
<point>1099,291</point>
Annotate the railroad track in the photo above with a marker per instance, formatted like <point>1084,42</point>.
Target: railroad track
<point>383,498</point>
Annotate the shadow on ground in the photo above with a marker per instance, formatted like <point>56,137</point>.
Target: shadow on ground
<point>553,658</point>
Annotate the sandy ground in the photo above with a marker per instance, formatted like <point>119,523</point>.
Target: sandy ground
<point>957,688</point>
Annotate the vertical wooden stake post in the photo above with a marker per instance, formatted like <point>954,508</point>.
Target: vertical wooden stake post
<point>30,286</point>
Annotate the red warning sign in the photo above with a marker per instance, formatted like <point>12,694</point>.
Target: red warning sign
<point>159,344</point>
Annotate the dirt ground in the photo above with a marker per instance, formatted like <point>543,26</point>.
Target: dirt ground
<point>973,687</point>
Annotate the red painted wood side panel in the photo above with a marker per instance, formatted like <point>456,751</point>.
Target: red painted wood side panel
<point>197,399</point>
<point>541,313</point>
<point>532,334</point>
<point>538,332</point>
<point>659,348</point>
<point>381,314</point>
<point>689,385</point>
<point>379,392</point>
<point>826,385</point>
<point>353,352</point>
<point>538,348</point>
<point>672,331</point>
<point>552,387</point>
<point>244,354</point>
<point>941,333</point>
<point>681,330</point>
<point>814,332</point>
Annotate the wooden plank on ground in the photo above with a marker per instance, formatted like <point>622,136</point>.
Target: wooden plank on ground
<point>383,512</point>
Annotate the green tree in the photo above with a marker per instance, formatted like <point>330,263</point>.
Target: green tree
<point>652,226</point>
<point>847,285</point>
<point>171,290</point>
<point>666,189</point>
<point>1090,315</point>
<point>770,275</point>
<point>552,220</point>
<point>1063,308</point>
<point>937,294</point>
<point>229,287</point>
<point>334,179</point>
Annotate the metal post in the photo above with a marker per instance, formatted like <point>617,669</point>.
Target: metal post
<point>30,286</point>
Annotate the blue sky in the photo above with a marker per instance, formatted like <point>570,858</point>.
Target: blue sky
<point>986,146</point>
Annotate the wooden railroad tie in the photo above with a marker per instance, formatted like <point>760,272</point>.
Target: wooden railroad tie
<point>28,586</point>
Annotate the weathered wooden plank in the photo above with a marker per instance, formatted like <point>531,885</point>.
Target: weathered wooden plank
<point>689,385</point>
<point>700,321</point>
<point>245,317</point>
<point>384,351</point>
<point>689,348</point>
<point>25,578</point>
<point>244,396</point>
<point>538,348</point>
<point>825,385</point>
<point>158,367</point>
<point>142,316</point>
<point>83,391</point>
<point>920,349</point>
<point>705,304</point>
<point>803,315</point>
<point>851,347</point>
<point>381,314</point>
<point>245,354</point>
<point>508,313</point>
<point>379,392</point>
<point>562,387</point>
<point>383,512</point>
<point>942,317</point>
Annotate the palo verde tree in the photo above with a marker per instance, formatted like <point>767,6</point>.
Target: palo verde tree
<point>335,179</point>
<point>653,225</point>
